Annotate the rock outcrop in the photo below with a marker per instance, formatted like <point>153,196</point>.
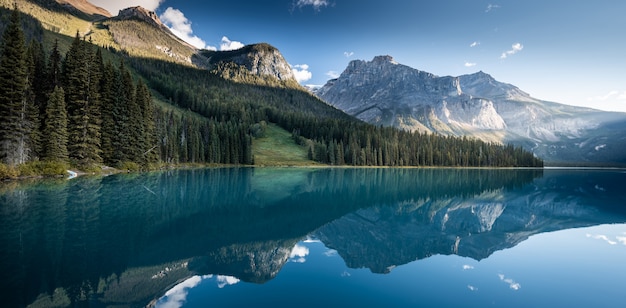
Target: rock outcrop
<point>261,60</point>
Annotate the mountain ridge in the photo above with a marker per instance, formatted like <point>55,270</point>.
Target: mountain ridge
<point>86,7</point>
<point>384,92</point>
<point>210,103</point>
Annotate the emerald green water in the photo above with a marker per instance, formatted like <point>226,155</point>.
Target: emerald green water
<point>311,237</point>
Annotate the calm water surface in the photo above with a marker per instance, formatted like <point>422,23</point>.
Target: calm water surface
<point>231,237</point>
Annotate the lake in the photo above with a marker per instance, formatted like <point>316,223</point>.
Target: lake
<point>316,237</point>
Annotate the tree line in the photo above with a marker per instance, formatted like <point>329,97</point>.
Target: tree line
<point>79,109</point>
<point>332,137</point>
<point>74,109</point>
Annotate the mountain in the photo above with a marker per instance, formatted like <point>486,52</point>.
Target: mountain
<point>209,106</point>
<point>141,33</point>
<point>384,92</point>
<point>85,7</point>
<point>257,59</point>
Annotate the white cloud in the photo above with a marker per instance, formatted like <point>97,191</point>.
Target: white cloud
<point>612,95</point>
<point>114,6</point>
<point>298,254</point>
<point>491,7</point>
<point>512,284</point>
<point>470,64</point>
<point>621,239</point>
<point>176,21</point>
<point>301,72</point>
<point>230,45</point>
<point>474,44</point>
<point>467,267</point>
<point>348,54</point>
<point>604,238</point>
<point>515,48</point>
<point>332,74</point>
<point>316,4</point>
<point>471,287</point>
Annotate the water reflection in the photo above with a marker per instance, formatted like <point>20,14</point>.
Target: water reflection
<point>126,239</point>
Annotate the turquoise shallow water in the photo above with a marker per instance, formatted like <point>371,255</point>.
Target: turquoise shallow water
<point>312,237</point>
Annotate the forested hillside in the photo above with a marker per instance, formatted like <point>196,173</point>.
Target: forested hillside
<point>97,106</point>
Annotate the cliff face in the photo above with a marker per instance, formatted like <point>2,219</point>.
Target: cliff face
<point>384,92</point>
<point>261,60</point>
<point>142,14</point>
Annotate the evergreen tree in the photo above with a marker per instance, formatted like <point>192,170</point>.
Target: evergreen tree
<point>55,143</point>
<point>13,104</point>
<point>53,71</point>
<point>79,83</point>
<point>94,114</point>
<point>108,91</point>
<point>144,101</point>
<point>121,139</point>
<point>35,96</point>
<point>136,146</point>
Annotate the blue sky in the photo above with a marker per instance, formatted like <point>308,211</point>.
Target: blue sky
<point>571,52</point>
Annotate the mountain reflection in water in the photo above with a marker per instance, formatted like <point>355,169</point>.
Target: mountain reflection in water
<point>127,239</point>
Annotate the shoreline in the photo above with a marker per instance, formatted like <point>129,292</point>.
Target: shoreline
<point>106,171</point>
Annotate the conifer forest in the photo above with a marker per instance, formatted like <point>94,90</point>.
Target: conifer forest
<point>95,106</point>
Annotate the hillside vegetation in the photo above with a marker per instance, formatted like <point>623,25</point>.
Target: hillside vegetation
<point>203,116</point>
<point>275,146</point>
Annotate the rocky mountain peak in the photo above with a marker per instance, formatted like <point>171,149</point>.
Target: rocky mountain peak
<point>140,13</point>
<point>384,59</point>
<point>475,105</point>
<point>481,84</point>
<point>258,59</point>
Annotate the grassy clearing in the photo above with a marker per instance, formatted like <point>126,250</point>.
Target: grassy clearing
<point>277,148</point>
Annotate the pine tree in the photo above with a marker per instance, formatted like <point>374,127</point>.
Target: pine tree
<point>80,80</point>
<point>136,146</point>
<point>149,146</point>
<point>13,83</point>
<point>121,139</point>
<point>53,71</point>
<point>108,97</point>
<point>55,144</point>
<point>35,96</point>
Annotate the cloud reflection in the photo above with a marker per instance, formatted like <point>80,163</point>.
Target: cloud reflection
<point>223,281</point>
<point>176,296</point>
<point>330,253</point>
<point>512,284</point>
<point>298,254</point>
<point>604,238</point>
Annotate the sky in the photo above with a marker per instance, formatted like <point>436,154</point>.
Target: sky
<point>571,52</point>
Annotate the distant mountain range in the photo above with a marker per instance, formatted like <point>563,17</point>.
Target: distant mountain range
<point>384,92</point>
